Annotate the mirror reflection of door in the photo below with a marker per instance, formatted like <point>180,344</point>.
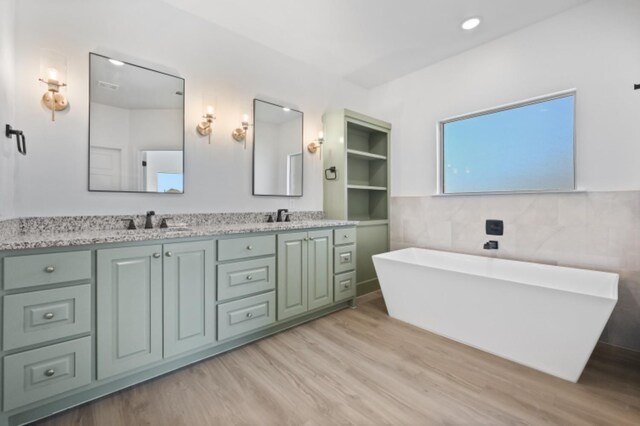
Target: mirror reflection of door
<point>135,112</point>
<point>106,164</point>
<point>294,171</point>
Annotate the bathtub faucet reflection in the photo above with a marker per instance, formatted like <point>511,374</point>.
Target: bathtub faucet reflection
<point>491,245</point>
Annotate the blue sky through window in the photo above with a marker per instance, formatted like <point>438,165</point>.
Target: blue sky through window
<point>526,148</point>
<point>170,182</point>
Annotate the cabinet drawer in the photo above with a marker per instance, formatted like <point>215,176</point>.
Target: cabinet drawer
<point>41,316</point>
<point>242,316</point>
<point>241,248</point>
<point>344,258</point>
<point>41,373</point>
<point>42,269</point>
<point>247,277</point>
<point>344,286</point>
<point>344,236</point>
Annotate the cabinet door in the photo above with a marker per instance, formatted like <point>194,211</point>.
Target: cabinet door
<point>320,268</point>
<point>189,294</point>
<point>292,274</point>
<point>129,308</point>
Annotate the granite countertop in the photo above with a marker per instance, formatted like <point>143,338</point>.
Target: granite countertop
<point>33,240</point>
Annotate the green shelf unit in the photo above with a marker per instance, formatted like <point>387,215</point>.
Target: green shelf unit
<point>358,146</point>
<point>364,204</point>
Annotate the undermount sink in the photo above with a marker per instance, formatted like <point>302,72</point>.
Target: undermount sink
<point>176,228</point>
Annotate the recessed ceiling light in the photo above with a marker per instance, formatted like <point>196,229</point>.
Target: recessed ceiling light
<point>470,23</point>
<point>116,62</point>
<point>285,109</point>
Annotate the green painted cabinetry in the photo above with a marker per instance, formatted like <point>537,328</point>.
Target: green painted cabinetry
<point>189,296</point>
<point>358,147</point>
<point>81,323</point>
<point>320,269</point>
<point>305,272</point>
<point>129,312</point>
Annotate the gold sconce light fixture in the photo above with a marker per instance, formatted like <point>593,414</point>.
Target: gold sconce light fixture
<point>316,145</point>
<point>205,127</point>
<point>240,134</point>
<point>53,70</point>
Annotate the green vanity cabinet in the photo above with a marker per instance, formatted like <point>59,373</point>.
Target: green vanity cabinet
<point>305,272</point>
<point>79,323</point>
<point>129,312</point>
<point>189,296</point>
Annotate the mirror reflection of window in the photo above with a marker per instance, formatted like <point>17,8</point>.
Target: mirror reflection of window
<point>161,171</point>
<point>134,113</point>
<point>278,160</point>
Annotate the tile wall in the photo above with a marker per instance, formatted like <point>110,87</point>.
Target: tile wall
<point>592,230</point>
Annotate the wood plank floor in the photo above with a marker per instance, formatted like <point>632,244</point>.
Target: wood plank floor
<point>362,367</point>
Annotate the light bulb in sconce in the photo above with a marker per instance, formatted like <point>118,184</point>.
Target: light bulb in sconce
<point>240,134</point>
<point>53,68</point>
<point>52,75</point>
<point>316,145</point>
<point>205,127</point>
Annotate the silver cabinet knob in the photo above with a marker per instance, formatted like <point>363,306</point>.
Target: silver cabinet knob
<point>168,254</point>
<point>50,372</point>
<point>156,255</point>
<point>249,277</point>
<point>50,269</point>
<point>345,236</point>
<point>48,315</point>
<point>249,315</point>
<point>249,247</point>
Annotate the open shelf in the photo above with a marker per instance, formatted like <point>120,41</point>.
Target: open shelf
<point>365,204</point>
<point>367,187</point>
<point>363,155</point>
<point>366,140</point>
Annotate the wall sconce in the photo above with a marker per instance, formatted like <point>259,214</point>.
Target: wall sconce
<point>240,134</point>
<point>53,70</point>
<point>205,127</point>
<point>317,144</point>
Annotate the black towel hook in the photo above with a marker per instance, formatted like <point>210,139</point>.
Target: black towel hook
<point>20,139</point>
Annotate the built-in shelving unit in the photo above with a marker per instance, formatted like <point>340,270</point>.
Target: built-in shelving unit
<point>358,146</point>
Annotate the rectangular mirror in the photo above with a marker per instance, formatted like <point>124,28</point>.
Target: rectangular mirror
<point>136,128</point>
<point>277,150</point>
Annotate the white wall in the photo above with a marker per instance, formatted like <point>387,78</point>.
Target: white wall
<point>8,151</point>
<point>593,48</point>
<point>225,68</point>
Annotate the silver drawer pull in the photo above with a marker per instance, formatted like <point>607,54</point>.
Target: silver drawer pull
<point>249,315</point>
<point>48,315</point>
<point>50,269</point>
<point>249,277</point>
<point>249,247</point>
<point>346,285</point>
<point>156,255</point>
<point>169,254</point>
<point>50,372</point>
<point>345,236</point>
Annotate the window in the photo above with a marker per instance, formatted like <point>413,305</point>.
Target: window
<point>524,147</point>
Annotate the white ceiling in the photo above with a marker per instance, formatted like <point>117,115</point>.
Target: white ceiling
<point>133,87</point>
<point>370,42</point>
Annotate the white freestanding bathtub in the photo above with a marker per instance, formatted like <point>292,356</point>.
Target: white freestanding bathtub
<point>545,317</point>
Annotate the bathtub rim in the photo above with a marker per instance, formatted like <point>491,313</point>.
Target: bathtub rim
<point>612,277</point>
